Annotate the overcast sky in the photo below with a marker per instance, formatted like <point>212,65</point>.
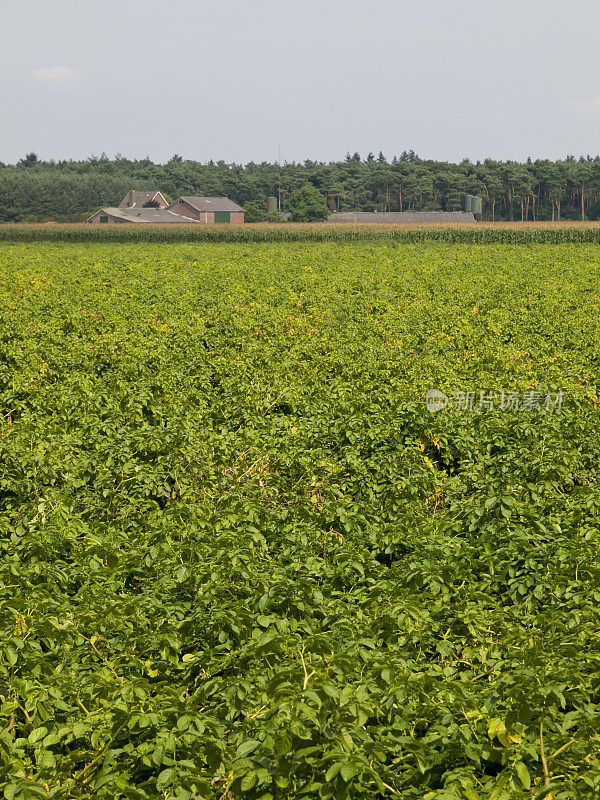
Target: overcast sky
<point>233,80</point>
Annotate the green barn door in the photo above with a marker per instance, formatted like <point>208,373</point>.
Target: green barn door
<point>222,216</point>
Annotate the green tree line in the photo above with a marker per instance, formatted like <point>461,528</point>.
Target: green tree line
<point>36,191</point>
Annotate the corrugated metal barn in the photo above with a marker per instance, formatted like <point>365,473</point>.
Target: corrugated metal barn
<point>401,216</point>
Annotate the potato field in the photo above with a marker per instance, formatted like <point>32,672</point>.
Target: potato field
<point>241,557</point>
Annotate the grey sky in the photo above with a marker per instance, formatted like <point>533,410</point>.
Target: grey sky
<point>232,80</point>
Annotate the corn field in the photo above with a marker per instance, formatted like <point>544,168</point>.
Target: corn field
<point>476,233</point>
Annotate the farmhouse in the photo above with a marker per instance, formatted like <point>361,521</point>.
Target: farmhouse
<point>209,209</point>
<point>152,207</point>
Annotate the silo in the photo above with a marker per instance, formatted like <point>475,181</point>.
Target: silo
<point>479,209</point>
<point>271,204</point>
<point>469,203</point>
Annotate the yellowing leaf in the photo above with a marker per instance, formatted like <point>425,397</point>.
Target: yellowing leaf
<point>496,727</point>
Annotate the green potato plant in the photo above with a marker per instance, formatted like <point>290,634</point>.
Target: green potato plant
<point>241,559</point>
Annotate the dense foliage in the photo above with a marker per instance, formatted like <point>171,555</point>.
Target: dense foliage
<point>240,559</point>
<point>36,191</point>
<point>307,204</point>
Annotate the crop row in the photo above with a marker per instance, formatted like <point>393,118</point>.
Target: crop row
<point>477,233</point>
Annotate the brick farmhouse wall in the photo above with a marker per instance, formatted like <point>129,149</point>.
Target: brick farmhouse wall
<point>181,207</point>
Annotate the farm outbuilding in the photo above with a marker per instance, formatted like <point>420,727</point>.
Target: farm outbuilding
<point>401,216</point>
<point>209,210</point>
<point>158,216</point>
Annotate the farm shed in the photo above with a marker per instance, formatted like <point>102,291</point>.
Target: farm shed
<point>209,210</point>
<point>143,200</point>
<point>401,216</point>
<point>158,216</point>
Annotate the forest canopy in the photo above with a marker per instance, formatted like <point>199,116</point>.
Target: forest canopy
<point>37,191</point>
